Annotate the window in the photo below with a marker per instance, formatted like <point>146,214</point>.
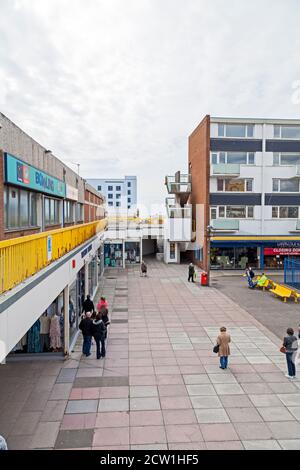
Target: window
<point>20,208</point>
<point>129,192</point>
<point>286,132</point>
<point>68,212</point>
<point>288,212</point>
<point>129,184</point>
<point>241,158</point>
<point>110,203</point>
<point>110,188</point>
<point>118,196</point>
<point>235,185</point>
<point>129,199</point>
<point>51,211</point>
<point>110,196</point>
<point>286,159</point>
<point>79,212</point>
<point>128,207</point>
<point>213,213</point>
<point>236,130</point>
<point>236,212</point>
<point>118,188</point>
<point>118,204</point>
<point>232,212</point>
<point>99,188</point>
<point>285,186</point>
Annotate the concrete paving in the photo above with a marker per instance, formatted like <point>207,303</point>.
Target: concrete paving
<point>272,312</point>
<point>160,385</point>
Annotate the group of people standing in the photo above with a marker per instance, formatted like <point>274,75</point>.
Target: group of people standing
<point>94,325</point>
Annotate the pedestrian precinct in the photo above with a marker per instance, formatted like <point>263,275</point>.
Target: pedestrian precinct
<point>98,331</point>
<point>86,327</point>
<point>88,305</point>
<point>223,341</point>
<point>191,272</point>
<point>290,343</point>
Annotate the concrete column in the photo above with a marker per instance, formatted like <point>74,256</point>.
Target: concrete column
<point>86,279</point>
<point>66,322</point>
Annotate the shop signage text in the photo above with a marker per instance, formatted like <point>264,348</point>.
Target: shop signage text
<point>282,251</point>
<point>86,251</point>
<point>71,193</point>
<point>21,174</point>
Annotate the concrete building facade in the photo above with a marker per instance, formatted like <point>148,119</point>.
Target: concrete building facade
<point>120,194</point>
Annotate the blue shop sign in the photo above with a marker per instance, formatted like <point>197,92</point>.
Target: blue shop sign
<point>21,174</point>
<point>86,251</point>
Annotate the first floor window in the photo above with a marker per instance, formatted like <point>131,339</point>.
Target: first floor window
<point>285,185</point>
<point>232,212</point>
<point>68,211</point>
<point>285,212</point>
<point>51,211</point>
<point>79,212</point>
<point>20,208</point>
<point>236,212</point>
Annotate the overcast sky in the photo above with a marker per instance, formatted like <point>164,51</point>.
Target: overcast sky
<point>119,85</point>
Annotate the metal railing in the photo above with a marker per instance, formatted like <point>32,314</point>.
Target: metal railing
<point>292,271</point>
<point>22,257</point>
<point>180,185</point>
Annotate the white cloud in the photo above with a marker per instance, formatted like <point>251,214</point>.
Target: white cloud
<point>118,86</point>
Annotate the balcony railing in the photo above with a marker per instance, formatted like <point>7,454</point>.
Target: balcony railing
<point>180,185</point>
<point>223,169</point>
<point>225,224</point>
<point>22,257</point>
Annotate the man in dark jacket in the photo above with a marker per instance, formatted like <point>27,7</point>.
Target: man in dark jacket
<point>191,272</point>
<point>86,327</point>
<point>99,333</point>
<point>88,305</point>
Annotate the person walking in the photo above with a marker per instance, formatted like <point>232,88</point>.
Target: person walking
<point>88,305</point>
<point>143,269</point>
<point>290,343</point>
<point>86,327</point>
<point>223,341</point>
<point>191,272</point>
<point>98,331</point>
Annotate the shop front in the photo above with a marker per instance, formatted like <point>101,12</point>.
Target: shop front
<point>93,279</point>
<point>113,255</point>
<point>46,335</point>
<point>100,260</point>
<point>132,252</point>
<point>258,252</point>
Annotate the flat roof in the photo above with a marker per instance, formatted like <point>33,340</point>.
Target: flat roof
<point>246,120</point>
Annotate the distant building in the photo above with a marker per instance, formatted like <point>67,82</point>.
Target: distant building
<point>120,194</point>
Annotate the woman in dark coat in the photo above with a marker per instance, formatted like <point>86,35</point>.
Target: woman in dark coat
<point>99,332</point>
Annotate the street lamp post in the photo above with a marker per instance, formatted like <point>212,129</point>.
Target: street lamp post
<point>78,166</point>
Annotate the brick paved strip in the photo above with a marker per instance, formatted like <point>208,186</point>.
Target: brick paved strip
<point>88,382</point>
<point>74,439</point>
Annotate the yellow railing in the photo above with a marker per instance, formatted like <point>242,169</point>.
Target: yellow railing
<point>156,220</point>
<point>22,257</point>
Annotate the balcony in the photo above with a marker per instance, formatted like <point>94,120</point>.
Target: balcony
<point>23,257</point>
<point>223,169</point>
<point>225,225</point>
<point>180,186</point>
<point>179,224</point>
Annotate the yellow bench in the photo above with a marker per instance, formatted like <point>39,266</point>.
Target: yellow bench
<point>267,284</point>
<point>296,295</point>
<point>282,291</point>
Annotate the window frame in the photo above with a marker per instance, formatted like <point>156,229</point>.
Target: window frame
<point>245,180</point>
<point>276,209</point>
<point>53,218</point>
<point>280,127</point>
<point>110,188</point>
<point>249,130</point>
<point>220,155</point>
<point>31,209</point>
<point>223,209</point>
<point>278,180</point>
<point>278,155</point>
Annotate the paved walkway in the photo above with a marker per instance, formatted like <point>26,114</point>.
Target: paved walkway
<point>160,386</point>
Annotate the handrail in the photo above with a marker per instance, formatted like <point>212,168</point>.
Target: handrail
<point>22,257</point>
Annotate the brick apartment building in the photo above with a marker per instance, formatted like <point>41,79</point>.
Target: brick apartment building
<point>245,193</point>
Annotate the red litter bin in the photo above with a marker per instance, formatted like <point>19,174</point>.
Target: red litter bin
<point>204,279</point>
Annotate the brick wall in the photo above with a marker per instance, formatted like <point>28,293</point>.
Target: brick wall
<point>199,167</point>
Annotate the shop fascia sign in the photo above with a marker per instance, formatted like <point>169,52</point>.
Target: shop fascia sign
<point>86,251</point>
<point>71,193</point>
<point>20,173</point>
<point>282,251</point>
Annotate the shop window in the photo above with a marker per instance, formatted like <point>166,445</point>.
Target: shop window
<point>79,212</point>
<point>113,254</point>
<point>172,251</point>
<point>20,208</point>
<point>68,212</point>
